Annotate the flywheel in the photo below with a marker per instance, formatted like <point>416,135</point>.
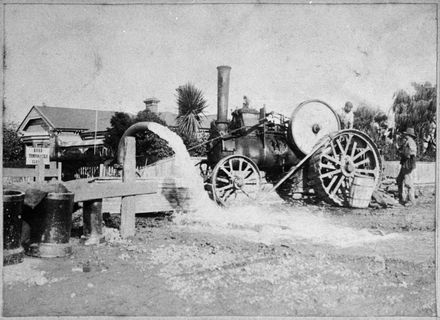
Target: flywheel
<point>310,121</point>
<point>333,167</point>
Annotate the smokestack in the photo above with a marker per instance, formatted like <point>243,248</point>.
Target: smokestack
<point>222,97</point>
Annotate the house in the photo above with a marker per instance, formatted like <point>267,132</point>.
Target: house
<point>72,133</point>
<point>66,131</point>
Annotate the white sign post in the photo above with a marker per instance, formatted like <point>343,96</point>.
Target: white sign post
<point>33,155</point>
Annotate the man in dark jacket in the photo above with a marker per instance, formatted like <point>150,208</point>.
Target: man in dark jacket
<point>405,179</point>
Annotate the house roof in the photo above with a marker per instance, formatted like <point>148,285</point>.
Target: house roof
<point>72,118</point>
<point>84,119</point>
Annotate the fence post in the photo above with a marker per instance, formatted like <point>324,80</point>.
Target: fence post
<point>128,176</point>
<point>59,166</point>
<point>40,167</point>
<point>101,170</point>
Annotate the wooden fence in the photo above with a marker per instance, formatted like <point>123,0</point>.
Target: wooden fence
<point>39,173</point>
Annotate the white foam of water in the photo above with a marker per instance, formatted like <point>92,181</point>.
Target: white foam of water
<point>255,222</point>
<point>183,164</point>
<point>274,223</point>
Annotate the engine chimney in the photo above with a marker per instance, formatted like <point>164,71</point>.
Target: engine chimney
<point>222,97</point>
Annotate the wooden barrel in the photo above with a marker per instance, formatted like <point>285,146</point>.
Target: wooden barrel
<point>361,191</point>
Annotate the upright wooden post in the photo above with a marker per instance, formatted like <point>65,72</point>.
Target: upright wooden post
<point>128,176</point>
<point>60,170</point>
<point>40,167</point>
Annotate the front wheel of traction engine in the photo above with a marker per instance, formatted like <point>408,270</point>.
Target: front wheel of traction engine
<point>333,167</point>
<point>235,180</point>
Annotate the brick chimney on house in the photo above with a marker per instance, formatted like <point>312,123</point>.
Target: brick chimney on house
<point>151,104</point>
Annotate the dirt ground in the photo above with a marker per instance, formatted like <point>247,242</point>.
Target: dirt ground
<point>302,260</point>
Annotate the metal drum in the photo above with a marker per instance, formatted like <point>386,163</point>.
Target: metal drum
<point>12,223</point>
<point>57,224</point>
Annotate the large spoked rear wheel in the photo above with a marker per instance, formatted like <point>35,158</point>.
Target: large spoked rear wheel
<point>235,180</point>
<point>348,154</point>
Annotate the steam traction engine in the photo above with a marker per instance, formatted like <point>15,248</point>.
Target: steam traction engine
<point>310,142</point>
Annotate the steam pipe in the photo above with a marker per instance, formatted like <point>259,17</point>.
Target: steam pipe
<point>222,97</point>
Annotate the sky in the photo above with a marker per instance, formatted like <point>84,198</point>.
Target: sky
<point>112,57</point>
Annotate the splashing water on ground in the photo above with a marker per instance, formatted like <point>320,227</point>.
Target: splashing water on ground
<point>260,222</point>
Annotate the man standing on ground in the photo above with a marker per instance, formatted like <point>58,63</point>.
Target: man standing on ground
<point>405,179</point>
<point>347,117</point>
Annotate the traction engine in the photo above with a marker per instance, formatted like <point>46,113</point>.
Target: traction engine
<point>310,144</point>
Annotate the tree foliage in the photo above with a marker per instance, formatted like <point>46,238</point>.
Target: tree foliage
<point>191,104</point>
<point>368,119</point>
<point>419,112</point>
<point>194,145</point>
<point>149,147</point>
<point>374,122</point>
<point>118,124</point>
<point>13,147</point>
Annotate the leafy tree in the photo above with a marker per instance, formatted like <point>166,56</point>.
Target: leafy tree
<point>149,147</point>
<point>419,112</point>
<point>119,123</point>
<point>373,122</point>
<point>191,104</point>
<point>194,146</point>
<point>13,147</point>
<point>369,119</point>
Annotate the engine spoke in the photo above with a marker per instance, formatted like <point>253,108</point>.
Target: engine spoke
<point>338,141</point>
<point>354,149</point>
<point>327,166</point>
<point>366,160</point>
<point>333,148</point>
<point>350,136</point>
<point>223,180</point>
<point>226,196</point>
<point>225,171</point>
<point>335,190</point>
<point>364,151</point>
<point>245,175</point>
<point>246,194</point>
<point>331,173</point>
<point>345,189</point>
<point>229,186</point>
<point>331,183</point>
<point>331,158</point>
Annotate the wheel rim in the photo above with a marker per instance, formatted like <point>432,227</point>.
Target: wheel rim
<point>235,179</point>
<point>349,153</point>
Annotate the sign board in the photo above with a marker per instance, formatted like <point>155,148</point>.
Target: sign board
<point>33,155</point>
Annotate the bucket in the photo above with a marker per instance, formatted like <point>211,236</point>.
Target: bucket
<point>13,252</point>
<point>56,225</point>
<point>361,191</point>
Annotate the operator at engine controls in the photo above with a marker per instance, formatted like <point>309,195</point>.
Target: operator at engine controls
<point>347,116</point>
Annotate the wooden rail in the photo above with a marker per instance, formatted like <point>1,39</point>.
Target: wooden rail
<point>86,189</point>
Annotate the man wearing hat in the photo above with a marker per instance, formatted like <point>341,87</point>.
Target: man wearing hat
<point>405,179</point>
